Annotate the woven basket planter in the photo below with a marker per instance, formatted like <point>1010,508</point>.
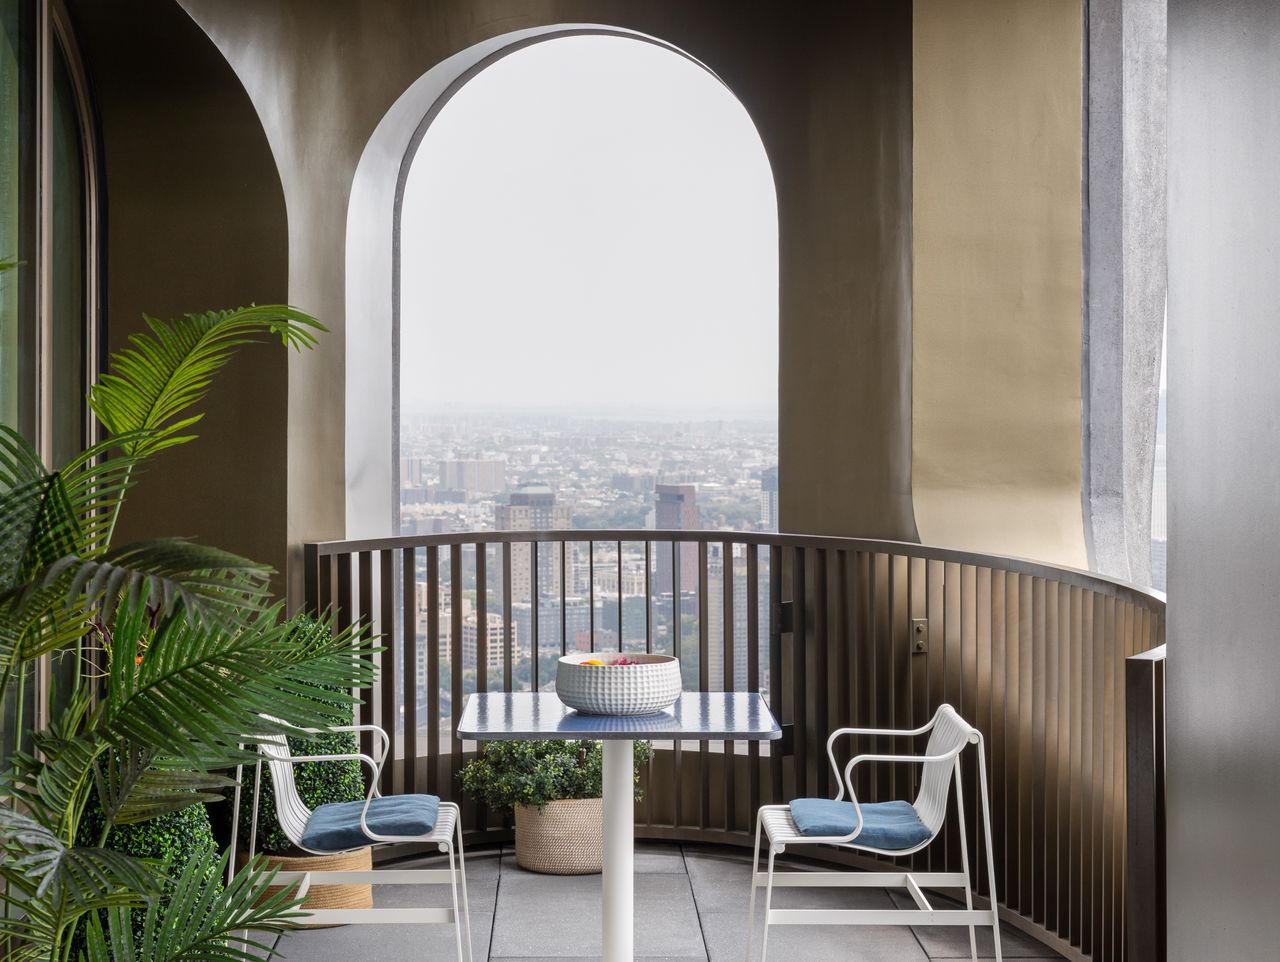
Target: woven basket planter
<point>564,837</point>
<point>330,896</point>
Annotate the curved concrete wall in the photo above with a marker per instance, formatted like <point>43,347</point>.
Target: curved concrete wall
<point>195,220</point>
<point>830,94</point>
<point>965,418</point>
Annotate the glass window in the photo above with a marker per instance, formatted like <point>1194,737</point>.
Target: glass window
<point>67,268</point>
<point>10,199</point>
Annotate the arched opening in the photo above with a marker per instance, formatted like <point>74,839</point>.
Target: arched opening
<point>587,251</point>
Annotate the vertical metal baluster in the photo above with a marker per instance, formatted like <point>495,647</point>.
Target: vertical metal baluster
<point>508,639</point>
<point>456,694</point>
<point>433,670</point>
<point>390,714</point>
<point>729,749</point>
<point>677,746</point>
<point>704,684</point>
<point>775,667</point>
<point>409,653</point>
<point>752,642</point>
<point>535,606</point>
<point>365,561</point>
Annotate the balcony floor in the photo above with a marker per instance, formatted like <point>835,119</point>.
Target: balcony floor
<point>690,904</point>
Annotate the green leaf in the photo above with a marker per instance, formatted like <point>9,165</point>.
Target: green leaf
<point>161,375</point>
<point>201,923</point>
<point>162,573</point>
<point>200,690</point>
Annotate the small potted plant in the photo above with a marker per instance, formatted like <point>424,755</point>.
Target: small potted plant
<point>554,789</point>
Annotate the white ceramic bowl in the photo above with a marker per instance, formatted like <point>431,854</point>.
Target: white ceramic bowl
<point>647,684</point>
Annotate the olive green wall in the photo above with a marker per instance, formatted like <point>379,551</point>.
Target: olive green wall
<point>194,220</point>
<point>830,94</point>
<point>996,376</point>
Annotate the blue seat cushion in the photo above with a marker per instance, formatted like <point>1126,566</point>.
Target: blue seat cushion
<point>889,826</point>
<point>336,827</point>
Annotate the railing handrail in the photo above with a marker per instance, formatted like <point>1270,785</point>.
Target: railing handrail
<point>1113,587</point>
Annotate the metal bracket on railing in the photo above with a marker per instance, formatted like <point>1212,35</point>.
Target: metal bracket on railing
<point>783,616</point>
<point>919,636</point>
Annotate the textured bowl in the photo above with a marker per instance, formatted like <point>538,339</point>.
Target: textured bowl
<point>651,684</point>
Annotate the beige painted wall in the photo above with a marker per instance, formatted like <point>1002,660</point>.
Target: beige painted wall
<point>996,415</point>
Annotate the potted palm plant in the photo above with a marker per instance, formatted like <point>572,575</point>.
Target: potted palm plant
<point>168,651</point>
<point>553,787</point>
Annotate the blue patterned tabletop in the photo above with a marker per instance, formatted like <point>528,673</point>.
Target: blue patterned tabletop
<point>708,716</point>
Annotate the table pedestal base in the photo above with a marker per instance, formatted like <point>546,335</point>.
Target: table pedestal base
<point>619,832</point>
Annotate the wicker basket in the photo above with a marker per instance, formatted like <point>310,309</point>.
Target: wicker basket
<point>565,837</point>
<point>330,896</point>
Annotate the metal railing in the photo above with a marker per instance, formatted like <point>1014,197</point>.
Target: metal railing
<point>1145,791</point>
<point>834,632</point>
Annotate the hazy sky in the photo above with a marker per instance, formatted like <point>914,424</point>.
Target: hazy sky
<point>590,224</point>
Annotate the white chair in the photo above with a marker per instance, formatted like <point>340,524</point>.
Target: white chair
<point>344,827</point>
<point>885,828</point>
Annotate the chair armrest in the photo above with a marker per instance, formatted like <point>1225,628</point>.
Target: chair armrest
<point>917,759</point>
<point>879,732</point>
<point>382,744</point>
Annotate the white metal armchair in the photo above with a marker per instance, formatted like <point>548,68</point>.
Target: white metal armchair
<point>344,827</point>
<point>883,828</point>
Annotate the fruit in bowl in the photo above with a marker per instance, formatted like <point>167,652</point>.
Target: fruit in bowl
<point>614,683</point>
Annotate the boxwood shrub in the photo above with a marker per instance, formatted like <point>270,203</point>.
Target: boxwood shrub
<point>175,839</point>
<point>510,773</point>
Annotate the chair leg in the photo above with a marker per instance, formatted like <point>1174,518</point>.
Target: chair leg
<point>768,904</point>
<point>457,915</point>
<point>466,907</point>
<point>751,906</point>
<point>964,863</point>
<point>991,858</point>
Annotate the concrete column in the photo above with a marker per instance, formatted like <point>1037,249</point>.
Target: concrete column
<point>1224,478</point>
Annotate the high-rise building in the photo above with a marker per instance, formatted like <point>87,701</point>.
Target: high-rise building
<point>676,509</point>
<point>533,508</point>
<point>495,642</point>
<point>769,499</point>
<point>474,476</point>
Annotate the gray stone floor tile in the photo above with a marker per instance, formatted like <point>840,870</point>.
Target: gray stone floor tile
<point>952,942</point>
<point>650,858</point>
<point>536,913</point>
<point>679,917</point>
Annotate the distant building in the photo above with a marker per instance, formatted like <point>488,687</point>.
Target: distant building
<point>576,622</point>
<point>474,477</point>
<point>494,644</point>
<point>633,483</point>
<point>676,509</point>
<point>769,499</point>
<point>533,508</point>
<point>635,618</point>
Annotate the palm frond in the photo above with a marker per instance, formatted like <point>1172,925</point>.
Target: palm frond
<point>40,863</point>
<point>201,923</point>
<point>134,784</point>
<point>161,573</point>
<point>199,690</point>
<point>161,375</point>
<point>38,523</point>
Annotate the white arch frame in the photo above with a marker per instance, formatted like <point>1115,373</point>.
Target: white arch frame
<point>373,264</point>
